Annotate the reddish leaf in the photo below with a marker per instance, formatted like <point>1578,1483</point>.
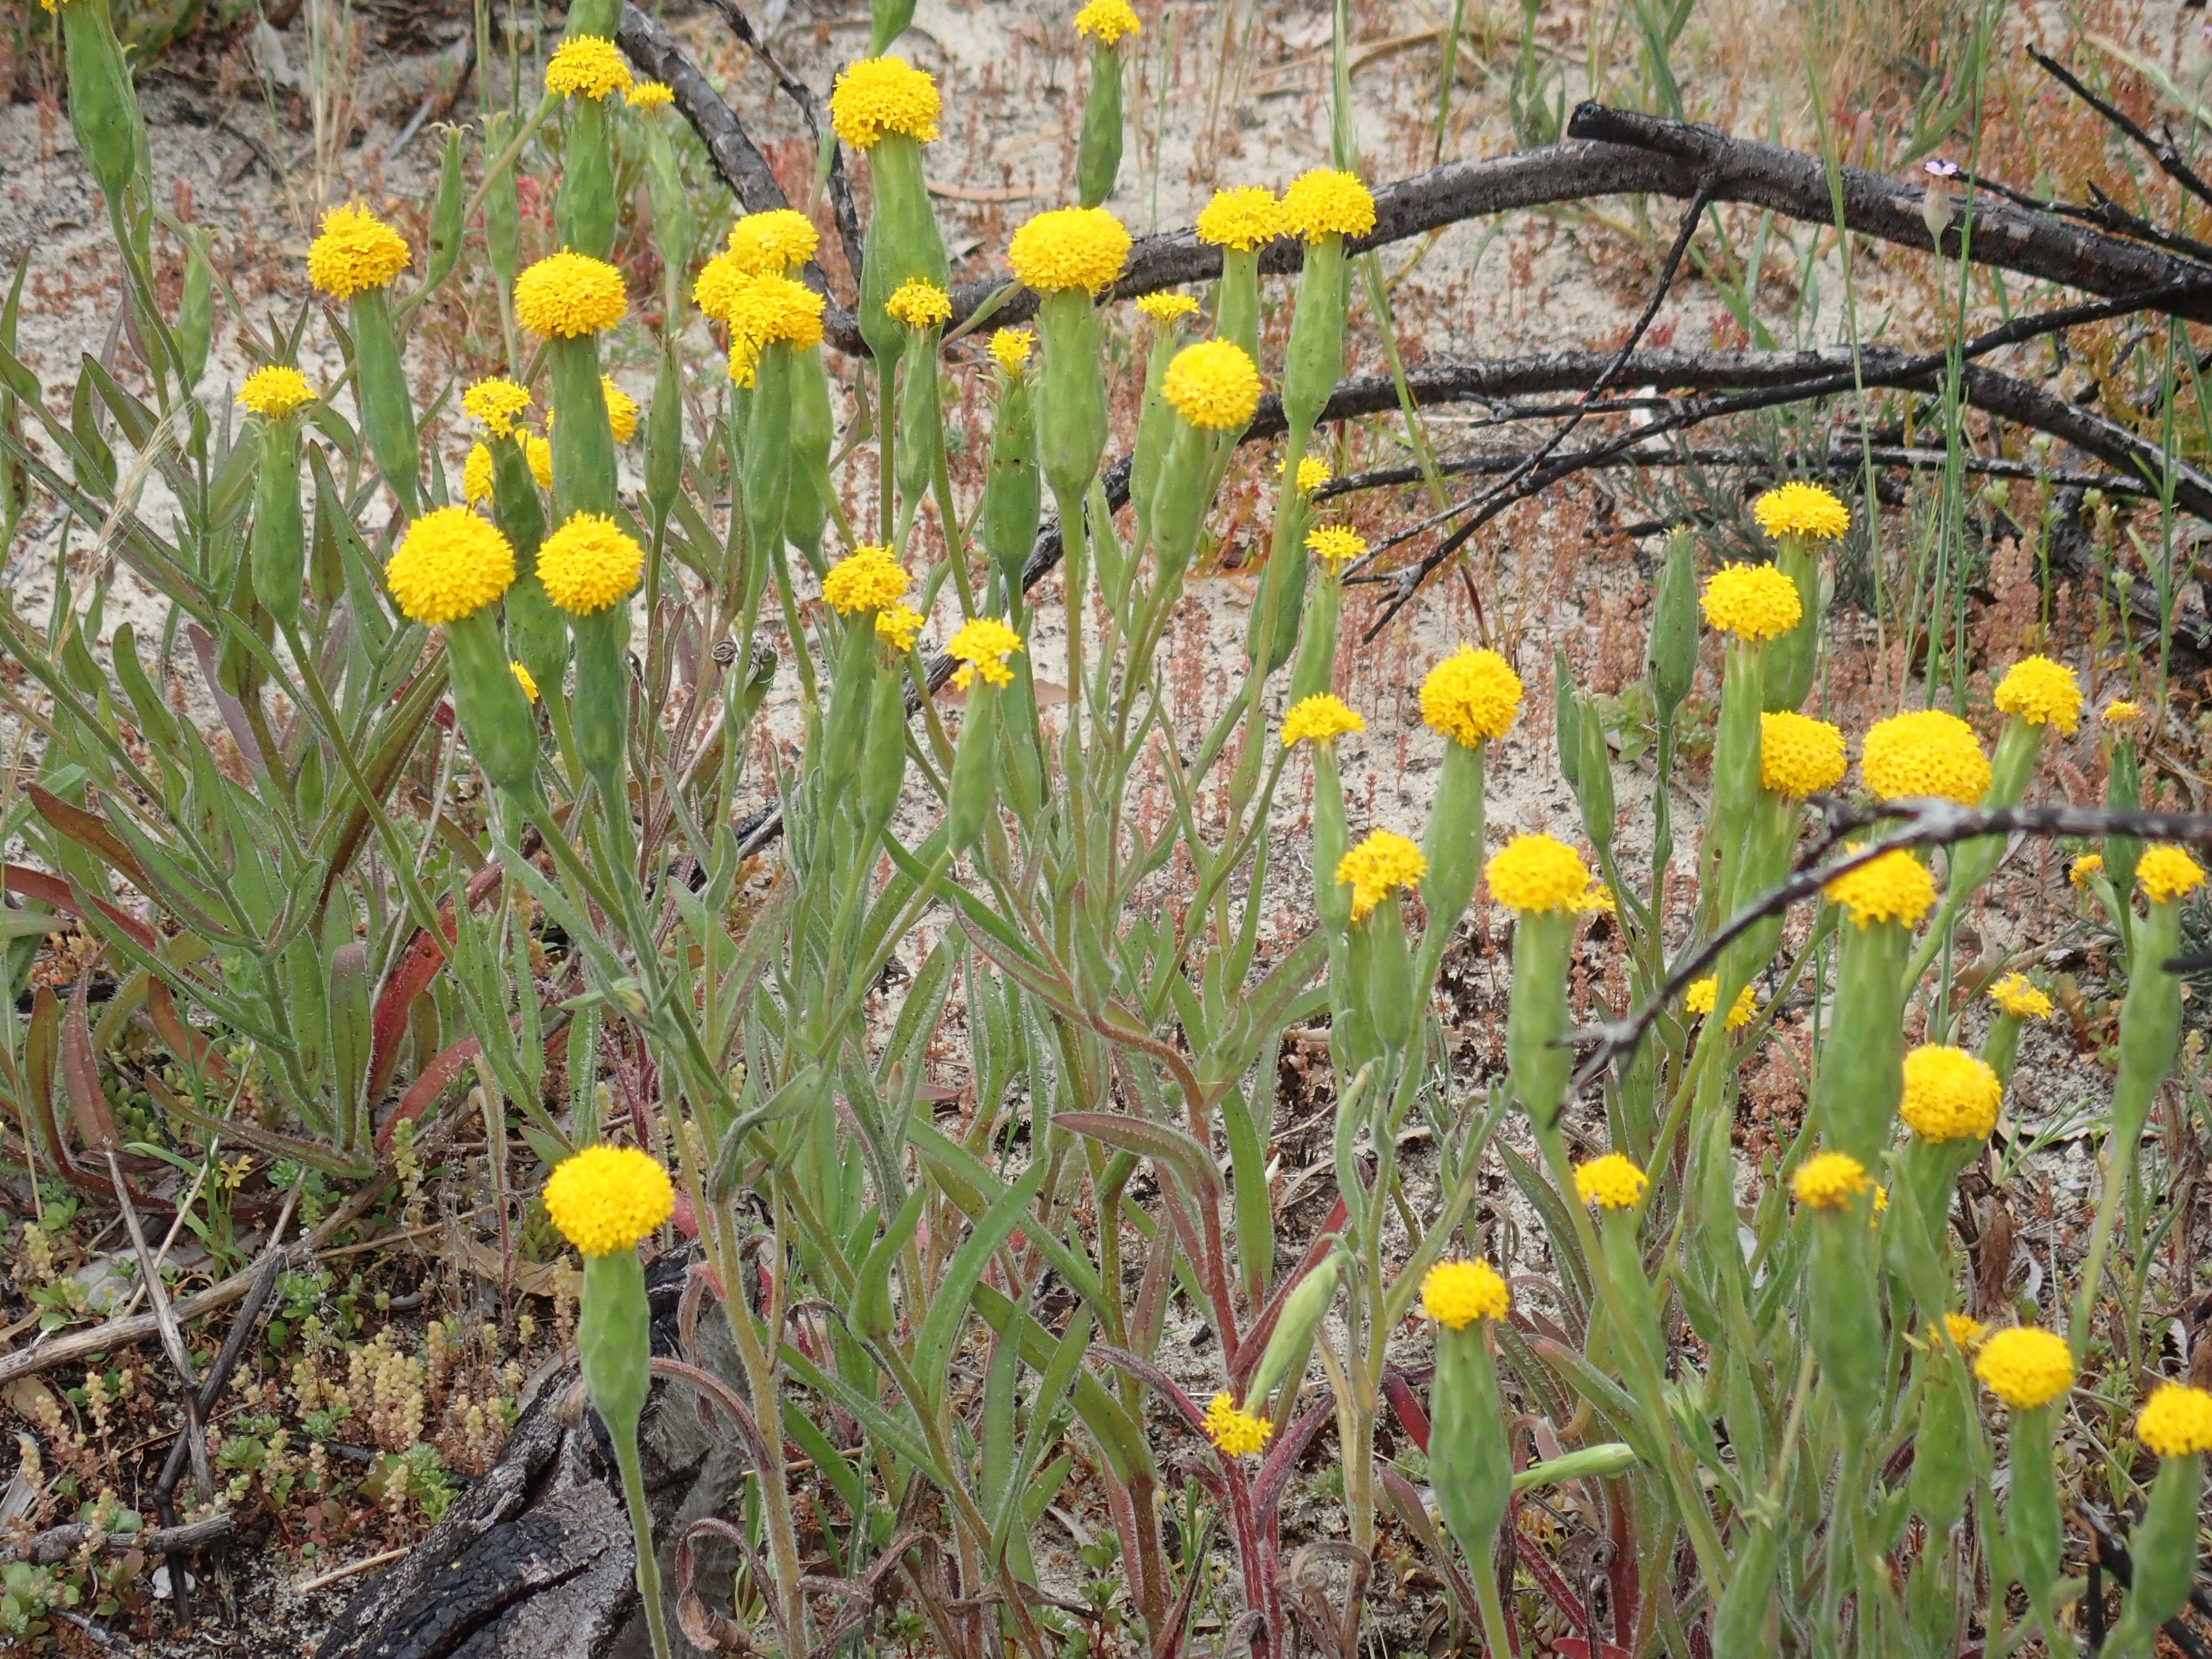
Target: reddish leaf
<point>90,832</point>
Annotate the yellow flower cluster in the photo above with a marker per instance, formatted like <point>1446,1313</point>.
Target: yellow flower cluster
<point>496,405</point>
<point>2041,692</point>
<point>897,625</point>
<point>2085,870</point>
<point>773,243</point>
<point>1610,1183</point>
<point>477,476</point>
<point>2122,713</point>
<point>982,647</point>
<point>1457,1293</point>
<point>622,411</point>
<point>1011,348</point>
<point>918,304</point>
<point>1211,384</point>
<point>1895,887</point>
<point>566,296</point>
<point>607,1198</point>
<point>1926,753</point>
<point>1950,1094</point>
<point>1318,719</point>
<point>1798,508</point>
<point>1242,216</point>
<point>1701,994</point>
<point>2016,997</point>
<point>274,391</point>
<point>1233,1431</point>
<point>878,96</point>
<point>525,679</point>
<point>1166,307</point>
<point>589,563</point>
<point>866,578</point>
<point>1753,602</point>
<point>450,564</point>
<point>587,66</point>
<point>1106,22</point>
<point>1963,1329</point>
<point>646,97</point>
<point>1327,203</point>
<point>538,455</point>
<point>2166,873</point>
<point>766,311</point>
<point>1313,473</point>
<point>357,252</point>
<point>1381,862</point>
<point>1335,546</point>
<point>2025,1367</point>
<point>1069,248</point>
<point>1799,756</point>
<point>1829,1181</point>
<point>2176,1421</point>
<point>1472,697</point>
<point>1538,875</point>
<point>718,284</point>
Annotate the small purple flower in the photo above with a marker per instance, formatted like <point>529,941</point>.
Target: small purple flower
<point>1939,168</point>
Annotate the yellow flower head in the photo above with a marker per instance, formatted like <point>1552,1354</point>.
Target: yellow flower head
<point>587,66</point>
<point>1536,874</point>
<point>646,97</point>
<point>1377,865</point>
<point>622,411</point>
<point>1313,473</point>
<point>767,311</point>
<point>1106,22</point>
<point>1753,602</point>
<point>1320,719</point>
<point>274,391</point>
<point>1011,346</point>
<point>606,1198</point>
<point>2041,692</point>
<point>1701,994</point>
<point>2122,713</point>
<point>918,304</point>
<point>1600,901</point>
<point>1457,1293</point>
<point>1326,203</point>
<point>538,455</point>
<point>1829,1181</point>
<point>1471,697</point>
<point>866,578</point>
<point>450,564</point>
<point>1895,887</point>
<point>2166,873</point>
<point>496,405</point>
<point>896,625</point>
<point>1213,385</point>
<point>720,280</point>
<point>2025,1367</point>
<point>2085,870</point>
<point>1241,218</point>
<point>356,252</point>
<point>982,647</point>
<point>525,679</point>
<point>1062,248</point>
<point>1799,756</point>
<point>773,243</point>
<point>2176,1421</point>
<point>568,296</point>
<point>1610,1183</point>
<point>1797,508</point>
<point>1235,1431</point>
<point>878,96</point>
<point>1926,752</point>
<point>1950,1094</point>
<point>1164,308</point>
<point>588,564</point>
<point>1335,546</point>
<point>2016,997</point>
<point>476,475</point>
<point>1964,1330</point>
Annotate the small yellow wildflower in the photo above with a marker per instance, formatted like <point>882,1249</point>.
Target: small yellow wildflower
<point>896,625</point>
<point>1313,473</point>
<point>1753,602</point>
<point>1829,1181</point>
<point>1471,697</point>
<point>607,1198</point>
<point>496,405</point>
<point>589,563</point>
<point>2176,1421</point>
<point>866,578</point>
<point>1700,996</point>
<point>525,679</point>
<point>1380,863</point>
<point>2123,713</point>
<point>1964,1330</point>
<point>622,411</point>
<point>1457,1293</point>
<point>357,252</point>
<point>538,455</point>
<point>568,296</point>
<point>1799,756</point>
<point>450,564</point>
<point>1106,22</point>
<point>1318,719</point>
<point>1926,753</point>
<point>1010,347</point>
<point>1610,1183</point>
<point>274,391</point>
<point>1536,874</point>
<point>587,66</point>
<point>2085,870</point>
<point>2041,692</point>
<point>1950,1094</point>
<point>477,476</point>
<point>773,243</point>
<point>1069,248</point>
<point>2025,1367</point>
<point>646,97</point>
<point>1243,217</point>
<point>1798,508</point>
<point>1335,546</point>
<point>2016,996</point>
<point>1164,308</point>
<point>920,304</point>
<point>982,646</point>
<point>1895,887</point>
<point>1327,203</point>
<point>1233,1431</point>
<point>883,95</point>
<point>1213,385</point>
<point>2166,873</point>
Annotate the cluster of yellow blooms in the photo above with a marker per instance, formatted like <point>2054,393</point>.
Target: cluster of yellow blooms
<point>356,252</point>
<point>1701,994</point>
<point>1457,1293</point>
<point>880,96</point>
<point>982,647</point>
<point>1064,249</point>
<point>275,390</point>
<point>1378,864</point>
<point>866,578</point>
<point>1610,1183</point>
<point>1323,202</point>
<point>1950,1094</point>
<point>1212,383</point>
<point>606,1199</point>
<point>1828,1181</point>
